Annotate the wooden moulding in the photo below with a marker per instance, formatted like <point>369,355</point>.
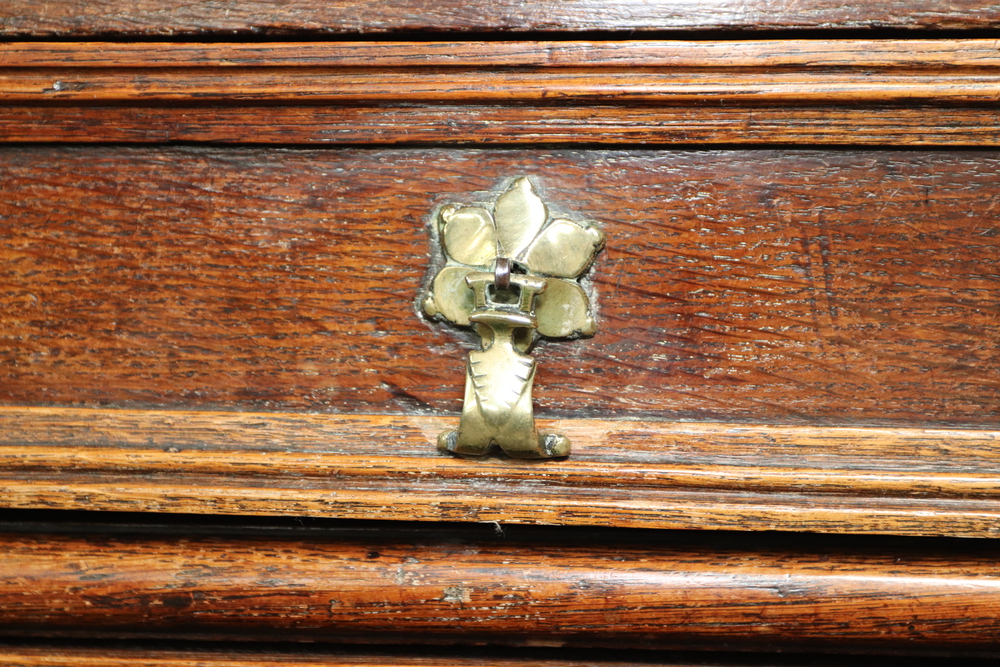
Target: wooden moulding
<point>448,124</point>
<point>124,18</point>
<point>742,54</point>
<point>859,91</point>
<point>493,87</point>
<point>63,655</point>
<point>622,473</point>
<point>608,590</point>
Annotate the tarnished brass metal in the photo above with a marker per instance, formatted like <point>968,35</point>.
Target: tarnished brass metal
<point>512,273</point>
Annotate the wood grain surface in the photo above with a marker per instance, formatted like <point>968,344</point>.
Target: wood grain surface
<point>509,125</point>
<point>102,18</point>
<point>919,92</point>
<point>62,654</point>
<point>73,656</point>
<point>812,54</point>
<point>240,327</point>
<point>661,592</point>
<point>621,473</point>
<point>806,286</point>
<point>494,86</point>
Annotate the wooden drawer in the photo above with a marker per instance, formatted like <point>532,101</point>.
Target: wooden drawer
<point>824,318</point>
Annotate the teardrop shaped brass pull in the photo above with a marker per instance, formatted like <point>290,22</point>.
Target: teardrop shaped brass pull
<point>512,272</point>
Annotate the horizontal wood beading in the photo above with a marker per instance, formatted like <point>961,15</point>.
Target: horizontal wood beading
<point>61,654</point>
<point>496,87</point>
<point>813,55</point>
<point>619,86</point>
<point>621,473</point>
<point>835,287</point>
<point>858,72</point>
<point>651,594</point>
<point>794,91</point>
<point>124,18</point>
<point>449,124</point>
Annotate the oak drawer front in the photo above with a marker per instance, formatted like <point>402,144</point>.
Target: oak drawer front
<point>153,291</point>
<point>835,287</point>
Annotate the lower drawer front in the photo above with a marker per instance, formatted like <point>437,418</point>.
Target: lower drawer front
<point>275,581</point>
<point>806,288</point>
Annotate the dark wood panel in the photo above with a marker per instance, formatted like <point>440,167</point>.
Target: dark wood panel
<point>621,473</point>
<point>800,286</point>
<point>448,124</point>
<point>663,593</point>
<point>178,17</point>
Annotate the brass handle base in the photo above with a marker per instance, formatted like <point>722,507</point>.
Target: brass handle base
<point>547,446</point>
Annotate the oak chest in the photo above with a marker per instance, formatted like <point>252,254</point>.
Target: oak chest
<point>240,247</point>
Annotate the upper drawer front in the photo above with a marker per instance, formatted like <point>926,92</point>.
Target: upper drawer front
<point>799,286</point>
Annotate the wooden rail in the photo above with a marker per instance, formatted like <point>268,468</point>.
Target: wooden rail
<point>661,592</point>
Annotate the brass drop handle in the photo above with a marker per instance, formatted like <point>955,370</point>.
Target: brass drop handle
<point>513,273</point>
